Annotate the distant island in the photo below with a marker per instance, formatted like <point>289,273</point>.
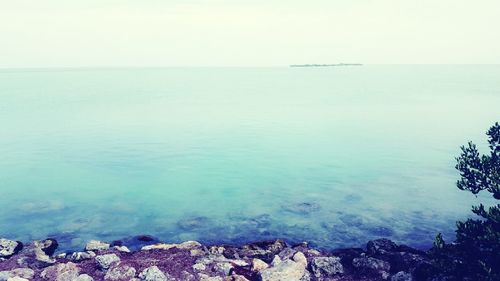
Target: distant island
<point>325,65</point>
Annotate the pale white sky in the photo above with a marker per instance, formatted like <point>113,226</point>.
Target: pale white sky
<point>79,33</point>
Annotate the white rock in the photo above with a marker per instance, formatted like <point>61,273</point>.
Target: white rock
<point>152,273</point>
<point>258,265</point>
<point>199,266</point>
<point>300,258</point>
<point>17,278</point>
<point>83,277</point>
<point>105,261</point>
<point>276,260</point>
<point>122,249</point>
<point>287,270</point>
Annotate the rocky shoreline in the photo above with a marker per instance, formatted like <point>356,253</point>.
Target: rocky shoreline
<point>274,260</point>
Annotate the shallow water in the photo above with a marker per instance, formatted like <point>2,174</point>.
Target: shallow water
<point>334,156</point>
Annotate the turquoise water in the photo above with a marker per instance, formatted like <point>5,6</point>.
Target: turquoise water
<point>334,156</point>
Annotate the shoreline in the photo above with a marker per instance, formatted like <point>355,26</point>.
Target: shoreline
<point>271,260</point>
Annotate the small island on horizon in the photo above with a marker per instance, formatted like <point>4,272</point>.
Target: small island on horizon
<point>326,65</point>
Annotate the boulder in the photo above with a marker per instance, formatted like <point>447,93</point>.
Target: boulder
<point>105,261</point>
<point>287,270</point>
<point>26,273</point>
<point>381,246</point>
<point>325,267</point>
<point>9,248</point>
<point>120,273</point>
<point>94,245</point>
<point>61,272</point>
<point>153,273</point>
<point>300,258</point>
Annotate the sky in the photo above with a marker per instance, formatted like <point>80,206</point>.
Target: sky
<point>109,33</point>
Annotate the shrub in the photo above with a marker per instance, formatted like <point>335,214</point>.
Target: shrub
<point>475,255</point>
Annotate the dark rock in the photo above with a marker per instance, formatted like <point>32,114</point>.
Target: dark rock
<point>380,246</point>
<point>425,271</point>
<point>372,266</point>
<point>403,261</point>
<point>48,246</point>
<point>145,238</point>
<point>265,250</point>
<point>325,267</point>
<point>9,248</point>
<point>347,255</point>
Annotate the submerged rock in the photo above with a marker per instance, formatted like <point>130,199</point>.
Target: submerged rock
<point>9,248</point>
<point>188,245</point>
<point>303,208</point>
<point>94,245</point>
<point>193,223</point>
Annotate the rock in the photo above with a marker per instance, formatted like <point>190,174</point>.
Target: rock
<point>122,249</point>
<point>326,267</point>
<point>199,266</point>
<point>48,246</point>
<point>381,246</point>
<point>80,256</point>
<point>193,223</point>
<point>258,265</point>
<point>276,260</point>
<point>61,272</point>
<point>120,272</point>
<point>94,245</point>
<point>188,245</point>
<point>300,258</point>
<point>9,248</point>
<point>402,276</point>
<point>39,253</point>
<point>153,273</point>
<point>17,278</point>
<point>204,277</point>
<point>61,256</point>
<point>402,261</point>
<point>26,273</point>
<point>223,268</point>
<point>105,261</point>
<point>264,250</point>
<point>83,277</point>
<point>236,277</point>
<point>214,250</point>
<point>287,270</point>
<point>369,265</point>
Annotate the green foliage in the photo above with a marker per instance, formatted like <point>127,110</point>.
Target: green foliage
<point>476,253</point>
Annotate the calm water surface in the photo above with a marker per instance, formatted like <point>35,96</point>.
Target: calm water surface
<point>334,156</point>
